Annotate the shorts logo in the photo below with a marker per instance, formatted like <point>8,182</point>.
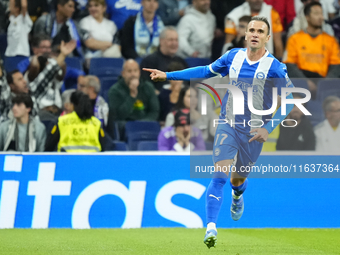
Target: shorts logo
<point>251,163</point>
<point>260,75</point>
<point>217,152</point>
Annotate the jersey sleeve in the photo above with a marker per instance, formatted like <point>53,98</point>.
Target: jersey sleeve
<point>335,56</point>
<point>282,80</point>
<point>220,66</point>
<point>276,22</point>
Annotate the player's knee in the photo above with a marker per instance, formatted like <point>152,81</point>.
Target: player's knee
<point>237,181</point>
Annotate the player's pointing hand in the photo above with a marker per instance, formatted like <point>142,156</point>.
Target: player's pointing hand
<point>156,75</point>
<point>261,136</point>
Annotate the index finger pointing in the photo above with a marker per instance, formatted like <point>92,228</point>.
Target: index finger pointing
<point>149,70</point>
<point>254,138</point>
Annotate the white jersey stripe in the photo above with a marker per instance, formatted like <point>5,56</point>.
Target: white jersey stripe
<point>234,71</point>
<point>260,77</point>
<point>211,70</point>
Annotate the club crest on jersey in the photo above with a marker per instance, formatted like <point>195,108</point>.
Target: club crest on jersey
<point>260,75</point>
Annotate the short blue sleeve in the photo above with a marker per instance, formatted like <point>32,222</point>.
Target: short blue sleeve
<point>282,80</point>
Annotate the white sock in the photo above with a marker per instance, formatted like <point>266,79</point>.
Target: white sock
<point>211,225</point>
<point>234,196</point>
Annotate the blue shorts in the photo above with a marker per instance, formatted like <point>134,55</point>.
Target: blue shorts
<point>231,144</point>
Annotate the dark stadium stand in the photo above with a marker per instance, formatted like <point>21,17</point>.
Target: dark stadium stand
<point>3,45</point>
<point>137,131</point>
<point>119,146</point>
<point>147,146</point>
<point>328,87</point>
<point>74,62</point>
<point>106,83</point>
<point>315,108</point>
<point>11,63</point>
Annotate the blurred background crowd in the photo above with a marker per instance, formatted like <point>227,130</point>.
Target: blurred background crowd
<point>72,79</point>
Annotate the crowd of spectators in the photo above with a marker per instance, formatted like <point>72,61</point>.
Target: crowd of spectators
<point>160,34</point>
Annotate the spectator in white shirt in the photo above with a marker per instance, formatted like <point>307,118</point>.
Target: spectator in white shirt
<point>102,30</point>
<point>18,30</point>
<point>327,133</point>
<point>196,31</point>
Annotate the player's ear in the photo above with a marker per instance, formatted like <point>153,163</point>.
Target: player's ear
<point>268,37</point>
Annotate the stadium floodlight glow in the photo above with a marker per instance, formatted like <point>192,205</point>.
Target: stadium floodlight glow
<point>238,100</point>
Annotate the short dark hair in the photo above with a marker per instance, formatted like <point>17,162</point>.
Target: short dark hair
<point>9,76</point>
<point>23,98</point>
<point>175,66</point>
<point>309,6</point>
<point>37,39</point>
<point>82,105</point>
<point>61,2</point>
<point>245,18</point>
<point>263,19</point>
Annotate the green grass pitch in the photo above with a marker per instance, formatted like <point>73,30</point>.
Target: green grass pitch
<point>168,241</point>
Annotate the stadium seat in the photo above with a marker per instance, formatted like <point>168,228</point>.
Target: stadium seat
<point>3,45</point>
<point>300,83</point>
<point>119,146</point>
<point>315,108</point>
<point>11,63</point>
<point>106,83</point>
<point>137,131</point>
<point>209,146</point>
<point>328,87</point>
<point>74,62</point>
<point>106,67</point>
<point>192,62</point>
<point>148,146</point>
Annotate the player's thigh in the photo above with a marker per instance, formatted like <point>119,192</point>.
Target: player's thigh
<point>225,144</point>
<point>224,166</point>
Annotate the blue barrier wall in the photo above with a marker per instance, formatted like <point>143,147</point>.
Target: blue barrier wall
<point>131,191</point>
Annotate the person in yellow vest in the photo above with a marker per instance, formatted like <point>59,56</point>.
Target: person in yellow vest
<point>78,131</point>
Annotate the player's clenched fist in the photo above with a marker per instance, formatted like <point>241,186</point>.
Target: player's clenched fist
<point>156,75</point>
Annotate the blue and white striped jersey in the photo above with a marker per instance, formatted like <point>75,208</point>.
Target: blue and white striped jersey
<point>261,75</point>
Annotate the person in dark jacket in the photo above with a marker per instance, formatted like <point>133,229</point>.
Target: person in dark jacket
<point>298,133</point>
<point>165,55</point>
<point>132,98</point>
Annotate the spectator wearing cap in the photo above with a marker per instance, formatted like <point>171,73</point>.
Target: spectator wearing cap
<point>90,85</point>
<point>22,133</point>
<point>181,137</point>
